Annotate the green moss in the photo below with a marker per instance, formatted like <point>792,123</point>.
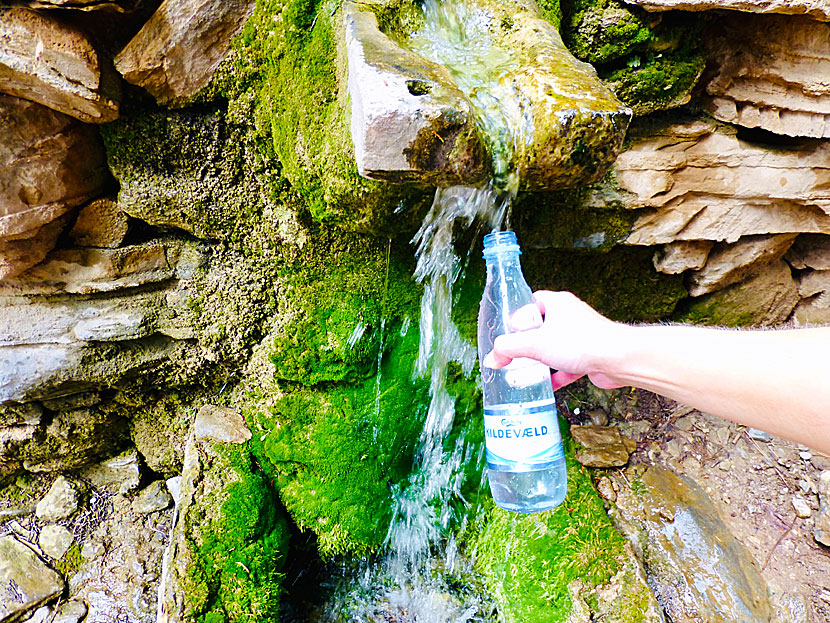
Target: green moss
<point>236,576</point>
<point>71,561</point>
<point>650,61</point>
<point>530,561</point>
<point>287,58</point>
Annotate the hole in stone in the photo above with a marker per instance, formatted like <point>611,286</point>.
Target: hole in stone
<point>418,87</point>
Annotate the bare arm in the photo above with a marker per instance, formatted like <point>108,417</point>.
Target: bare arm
<point>777,381</point>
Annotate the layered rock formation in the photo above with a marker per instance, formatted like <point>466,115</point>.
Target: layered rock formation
<point>228,253</point>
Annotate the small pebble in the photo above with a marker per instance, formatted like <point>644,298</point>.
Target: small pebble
<point>758,435</point>
<point>802,509</point>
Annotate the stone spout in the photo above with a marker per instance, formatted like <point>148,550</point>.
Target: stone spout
<point>411,122</point>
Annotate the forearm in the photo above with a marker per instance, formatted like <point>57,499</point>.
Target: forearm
<point>777,381</point>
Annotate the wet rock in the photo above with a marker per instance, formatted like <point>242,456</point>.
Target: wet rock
<point>26,582</point>
<point>45,60</point>
<point>769,73</point>
<point>178,49</point>
<point>577,127</point>
<point>55,540</point>
<point>603,446</point>
<point>815,8</point>
<point>732,263</point>
<point>70,612</point>
<point>696,567</point>
<point>392,127</point>
<point>821,531</point>
<point>119,474</point>
<point>676,257</point>
<point>100,223</point>
<point>712,186</point>
<point>61,501</point>
<point>154,497</point>
<point>216,423</point>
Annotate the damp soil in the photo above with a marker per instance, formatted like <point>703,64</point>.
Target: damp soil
<point>751,478</point>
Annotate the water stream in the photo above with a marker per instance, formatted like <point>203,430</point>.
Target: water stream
<point>411,582</point>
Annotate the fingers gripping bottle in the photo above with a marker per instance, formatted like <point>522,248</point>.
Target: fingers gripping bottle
<point>525,461</point>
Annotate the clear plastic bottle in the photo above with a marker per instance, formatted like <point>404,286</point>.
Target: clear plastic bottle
<point>525,461</point>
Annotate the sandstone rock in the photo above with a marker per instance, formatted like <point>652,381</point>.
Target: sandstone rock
<point>714,186</point>
<point>89,270</point>
<point>61,501</point>
<point>603,446</point>
<point>26,582</point>
<point>19,254</point>
<point>802,508</point>
<point>44,60</point>
<point>176,52</point>
<point>766,299</point>
<point>683,255</point>
<point>770,73</point>
<point>125,6</point>
<point>810,251</point>
<point>49,163</point>
<point>220,424</point>
<point>731,263</point>
<point>577,123</point>
<point>55,540</point>
<point>119,474</point>
<point>818,9</point>
<point>813,311</point>
<point>154,497</point>
<point>698,570</point>
<point>100,223</point>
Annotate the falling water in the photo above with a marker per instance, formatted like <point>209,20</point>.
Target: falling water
<point>405,586</point>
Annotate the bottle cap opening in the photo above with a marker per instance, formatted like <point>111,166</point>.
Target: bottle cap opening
<point>500,242</point>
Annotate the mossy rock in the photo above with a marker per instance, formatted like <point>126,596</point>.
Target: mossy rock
<point>544,567</point>
<point>651,61</point>
<point>286,76</point>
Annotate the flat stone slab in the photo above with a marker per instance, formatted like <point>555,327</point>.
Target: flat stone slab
<point>26,582</point>
<point>817,9</point>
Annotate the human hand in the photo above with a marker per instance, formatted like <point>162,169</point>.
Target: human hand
<point>572,339</point>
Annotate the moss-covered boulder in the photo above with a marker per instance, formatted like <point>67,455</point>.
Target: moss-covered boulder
<point>230,535</point>
<point>566,564</point>
<point>650,61</point>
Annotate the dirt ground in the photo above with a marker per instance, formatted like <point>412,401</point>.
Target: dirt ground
<point>753,479</point>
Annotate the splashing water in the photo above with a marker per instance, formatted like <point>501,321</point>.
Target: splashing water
<point>410,584</point>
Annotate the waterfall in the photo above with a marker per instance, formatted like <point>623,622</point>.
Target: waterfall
<point>404,585</point>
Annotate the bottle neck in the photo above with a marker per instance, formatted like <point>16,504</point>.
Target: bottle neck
<point>503,262</point>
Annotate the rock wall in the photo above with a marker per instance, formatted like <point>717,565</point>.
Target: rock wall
<point>183,229</point>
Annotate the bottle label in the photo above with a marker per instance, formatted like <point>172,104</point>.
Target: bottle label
<point>522,437</point>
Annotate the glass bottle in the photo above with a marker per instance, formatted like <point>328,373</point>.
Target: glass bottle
<point>525,460</point>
